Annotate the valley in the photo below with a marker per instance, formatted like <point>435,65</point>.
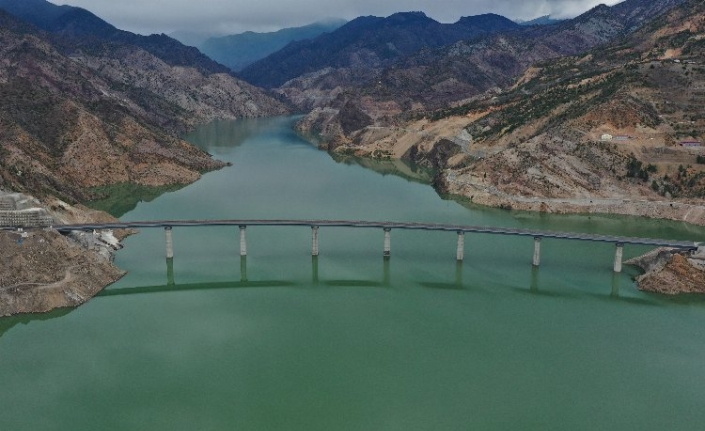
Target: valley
<point>548,149</point>
<point>615,125</point>
<point>588,115</point>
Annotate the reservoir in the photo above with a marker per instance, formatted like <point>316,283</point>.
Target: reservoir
<point>350,341</point>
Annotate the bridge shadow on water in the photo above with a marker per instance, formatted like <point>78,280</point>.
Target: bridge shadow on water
<point>536,288</point>
<point>245,282</point>
<point>534,285</point>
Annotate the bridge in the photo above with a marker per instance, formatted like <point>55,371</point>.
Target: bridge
<point>386,227</point>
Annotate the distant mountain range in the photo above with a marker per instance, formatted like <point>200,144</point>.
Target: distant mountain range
<point>240,50</point>
<point>367,43</point>
<point>81,29</point>
<point>83,104</point>
<point>357,62</point>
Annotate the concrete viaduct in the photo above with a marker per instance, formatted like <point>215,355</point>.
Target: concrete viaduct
<point>386,228</point>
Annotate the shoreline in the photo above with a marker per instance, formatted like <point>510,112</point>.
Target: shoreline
<point>669,272</point>
<point>657,210</point>
<point>43,270</point>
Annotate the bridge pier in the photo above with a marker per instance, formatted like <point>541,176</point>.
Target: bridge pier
<point>169,243</point>
<point>618,257</point>
<point>243,241</point>
<point>387,242</point>
<point>460,254</point>
<point>537,251</point>
<point>314,234</point>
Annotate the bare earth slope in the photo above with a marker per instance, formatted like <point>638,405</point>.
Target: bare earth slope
<point>78,113</point>
<point>600,132</point>
<point>41,269</point>
<point>72,123</point>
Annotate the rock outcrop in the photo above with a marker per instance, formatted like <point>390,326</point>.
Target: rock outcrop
<point>669,272</point>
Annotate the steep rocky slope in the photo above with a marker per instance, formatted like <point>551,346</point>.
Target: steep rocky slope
<point>611,124</point>
<point>147,67</point>
<point>368,43</point>
<point>84,106</point>
<point>433,77</point>
<point>41,269</point>
<point>599,132</point>
<point>75,29</point>
<point>111,115</point>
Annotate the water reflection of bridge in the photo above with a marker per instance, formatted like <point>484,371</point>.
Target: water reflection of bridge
<point>533,285</point>
<point>244,282</point>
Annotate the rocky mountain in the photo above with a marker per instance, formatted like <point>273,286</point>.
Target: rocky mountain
<point>80,29</point>
<point>368,43</point>
<point>432,79</point>
<point>240,50</point>
<point>617,129</point>
<point>107,113</point>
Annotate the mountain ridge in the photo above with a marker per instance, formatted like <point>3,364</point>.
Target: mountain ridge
<point>73,120</point>
<point>604,131</point>
<point>240,50</point>
<point>436,78</point>
<point>79,28</point>
<point>367,42</point>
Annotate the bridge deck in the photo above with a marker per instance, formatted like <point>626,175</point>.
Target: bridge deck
<point>382,225</point>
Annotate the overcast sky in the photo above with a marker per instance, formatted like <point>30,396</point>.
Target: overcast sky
<point>235,16</point>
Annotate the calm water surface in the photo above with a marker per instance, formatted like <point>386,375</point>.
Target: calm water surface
<point>350,342</point>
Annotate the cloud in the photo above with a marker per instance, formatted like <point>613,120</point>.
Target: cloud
<point>234,16</point>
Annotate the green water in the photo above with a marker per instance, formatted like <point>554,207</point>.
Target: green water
<point>350,342</point>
